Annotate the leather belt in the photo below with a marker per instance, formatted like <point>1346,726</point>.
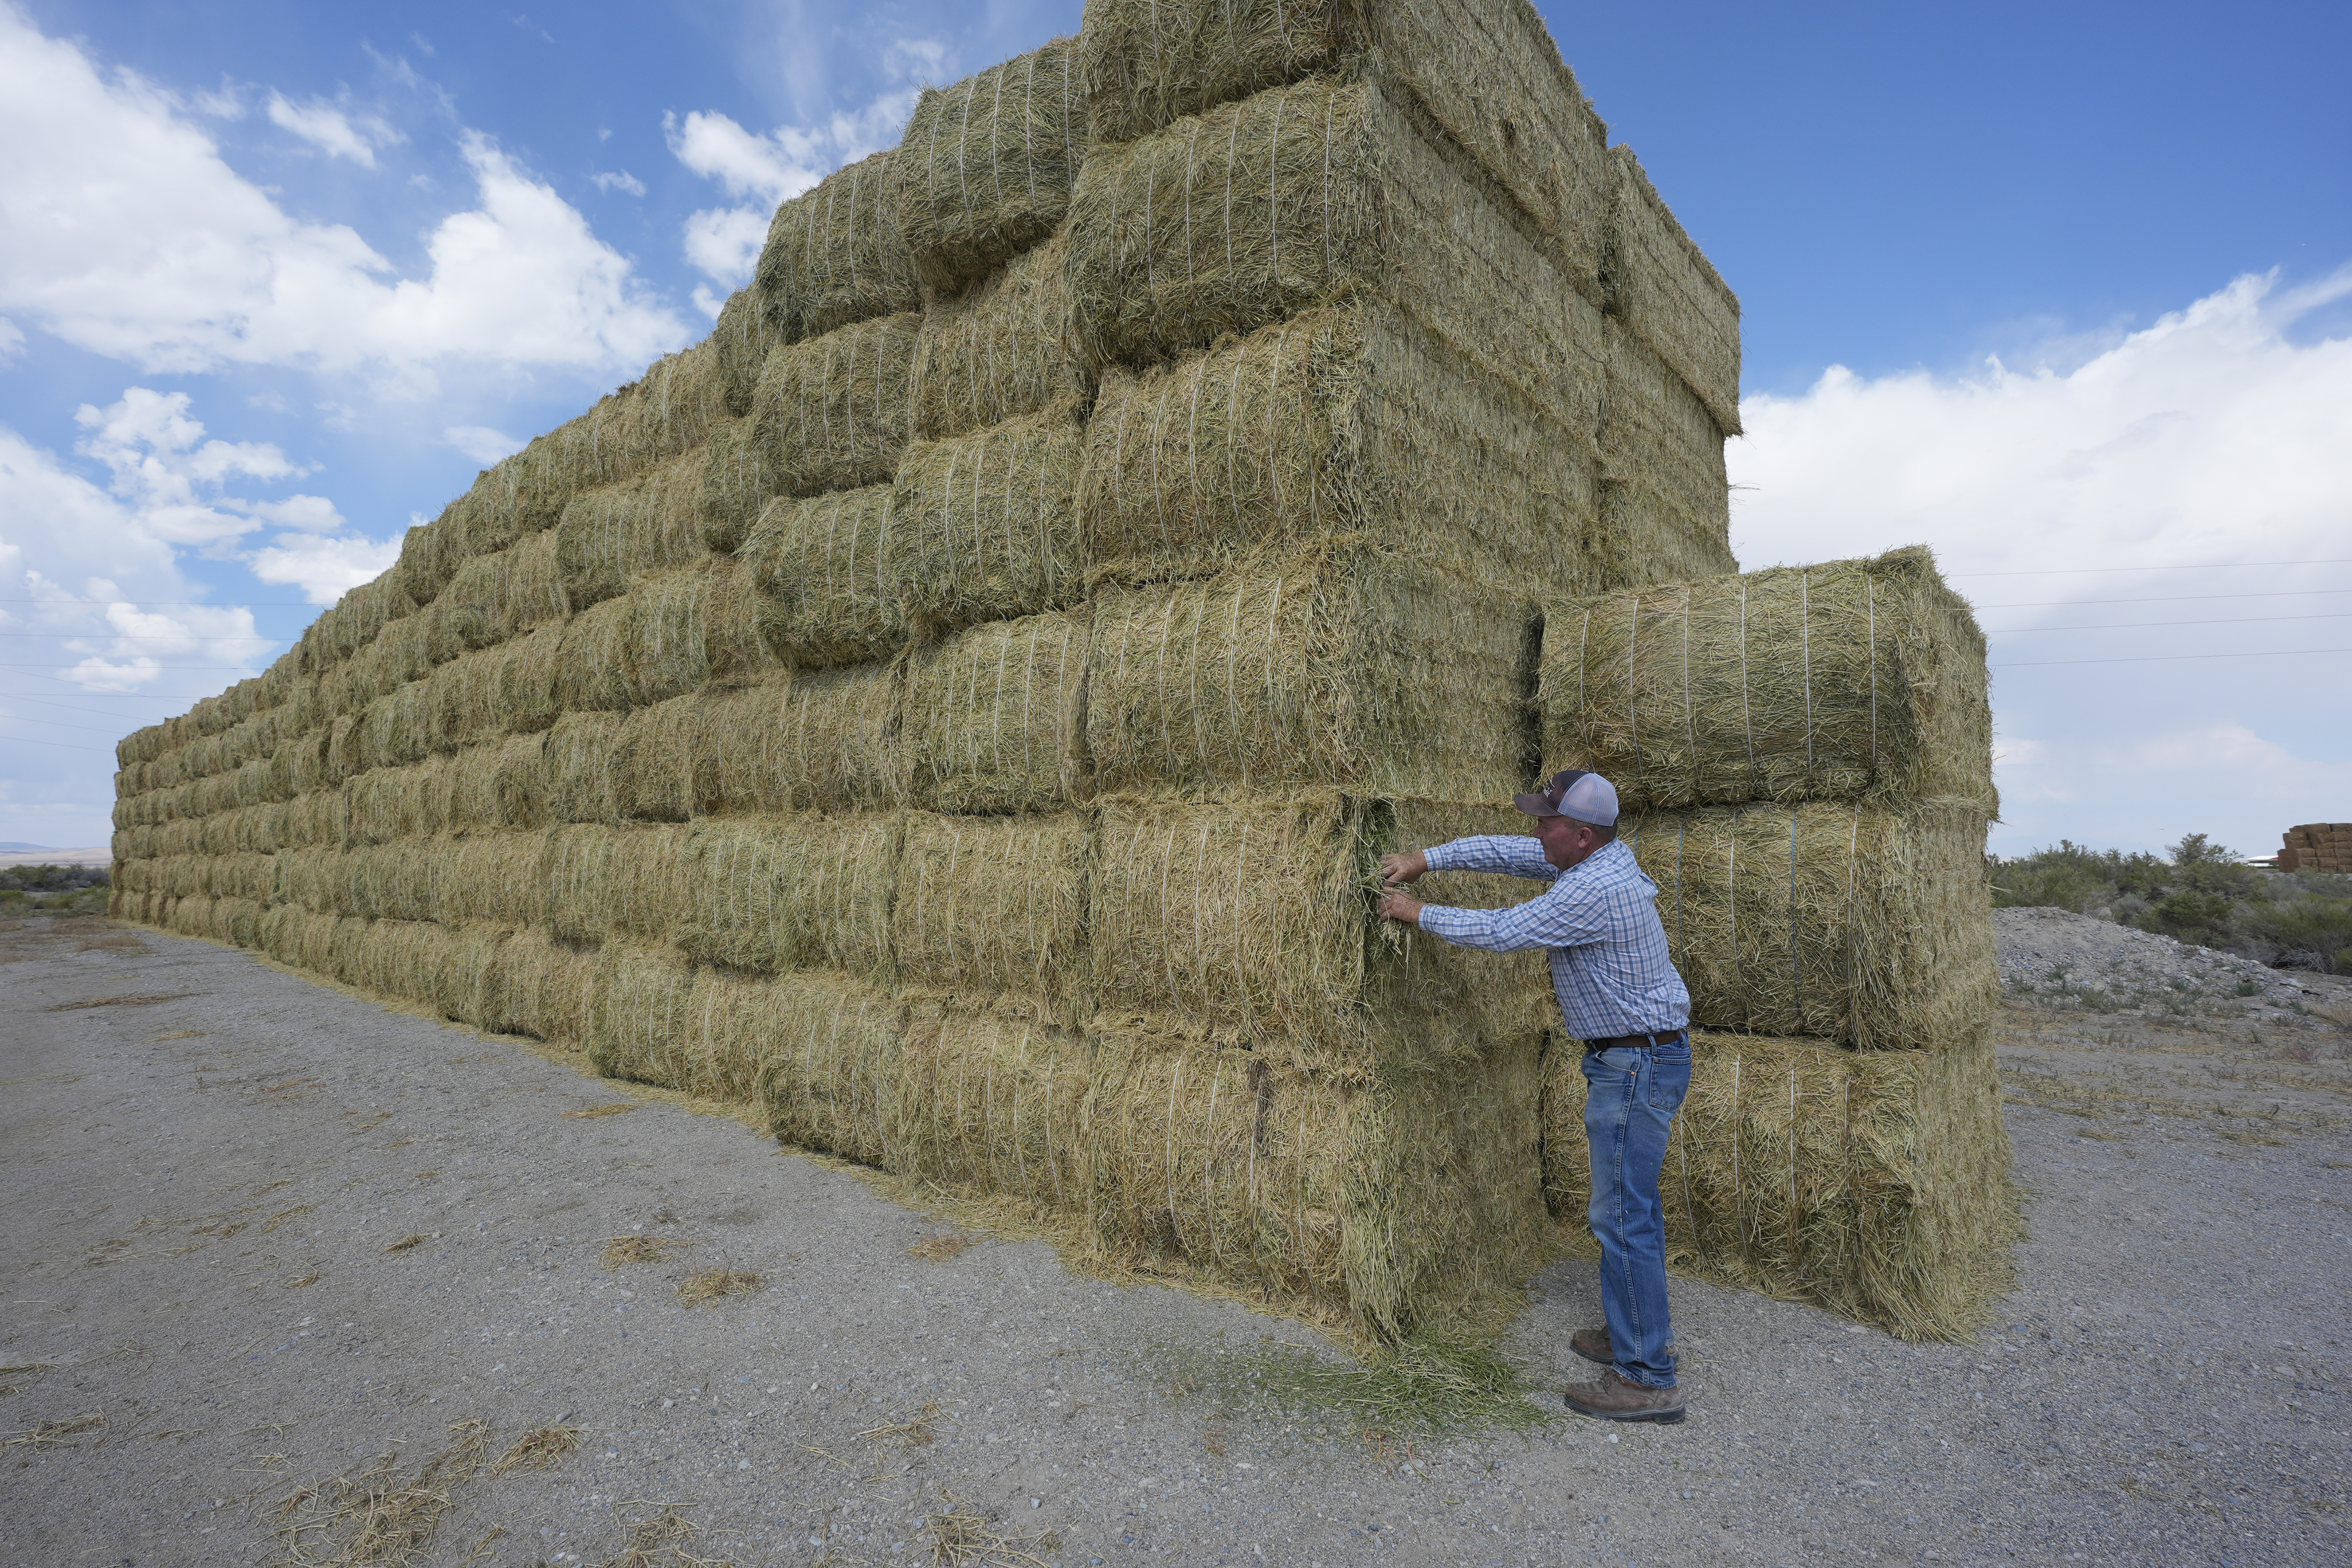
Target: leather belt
<point>1664,1038</point>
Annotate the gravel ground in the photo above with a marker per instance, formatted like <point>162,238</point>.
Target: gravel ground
<point>218,1169</point>
<point>2054,958</point>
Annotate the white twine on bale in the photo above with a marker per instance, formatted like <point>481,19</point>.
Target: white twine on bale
<point>1241,965</point>
<point>1796,973</point>
<point>1233,700</point>
<point>1158,498</point>
<point>1175,1085</point>
<point>1805,643</point>
<point>963,140</point>
<point>1690,723</point>
<point>996,138</point>
<point>1150,270</point>
<point>1331,105</point>
<point>1232,435</point>
<point>1233,153</point>
<point>1739,1203</point>
<point>1747,717</point>
<point>1869,603</point>
<point>1191,144</point>
<point>1795,1248</point>
<point>1632,709</point>
<point>1200,946</point>
<point>1209,1163</point>
<point>1273,398</point>
<point>1167,868</point>
<point>1273,197</point>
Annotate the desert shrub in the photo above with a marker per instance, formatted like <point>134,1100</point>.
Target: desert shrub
<point>2198,892</point>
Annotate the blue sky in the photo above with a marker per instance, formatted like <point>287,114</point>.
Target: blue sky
<point>2051,289</point>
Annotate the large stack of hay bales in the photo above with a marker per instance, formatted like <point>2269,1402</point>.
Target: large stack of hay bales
<point>960,705</point>
<point>2316,847</point>
<point>1805,757</point>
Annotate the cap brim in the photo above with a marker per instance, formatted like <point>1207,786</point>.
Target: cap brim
<point>1536,806</point>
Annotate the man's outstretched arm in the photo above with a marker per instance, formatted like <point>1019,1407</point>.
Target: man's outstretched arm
<point>1506,855</point>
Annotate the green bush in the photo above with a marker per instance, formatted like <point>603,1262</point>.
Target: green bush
<point>2201,895</point>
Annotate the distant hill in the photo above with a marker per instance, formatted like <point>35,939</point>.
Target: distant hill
<point>10,848</point>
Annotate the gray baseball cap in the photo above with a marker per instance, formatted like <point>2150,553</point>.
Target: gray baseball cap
<point>1576,795</point>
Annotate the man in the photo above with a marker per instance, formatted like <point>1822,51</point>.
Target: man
<point>1620,994</point>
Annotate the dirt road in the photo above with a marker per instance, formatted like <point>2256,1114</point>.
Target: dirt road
<point>273,1250</point>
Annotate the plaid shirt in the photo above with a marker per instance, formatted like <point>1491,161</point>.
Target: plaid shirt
<point>1610,966</point>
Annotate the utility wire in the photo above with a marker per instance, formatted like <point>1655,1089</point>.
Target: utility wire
<point>53,723</point>
<point>2127,625</point>
<point>2164,599</point>
<point>2171,657</point>
<point>2211,566</point>
<point>61,745</point>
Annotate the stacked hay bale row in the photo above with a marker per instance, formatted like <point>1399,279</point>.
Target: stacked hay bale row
<point>2316,847</point>
<point>1805,759</point>
<point>960,703</point>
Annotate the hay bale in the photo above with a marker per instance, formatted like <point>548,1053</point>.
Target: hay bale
<point>835,1078</point>
<point>486,878</point>
<point>653,774</point>
<point>667,412</point>
<point>576,761</point>
<point>317,817</point>
<point>1304,195</point>
<point>1335,667</point>
<point>353,620</point>
<point>985,168</point>
<point>543,989</point>
<point>982,525</point>
<point>499,785</point>
<point>613,882</point>
<point>991,718</point>
<point>1381,1203</point>
<point>1490,75</point>
<point>826,595</point>
<point>1667,293</point>
<point>397,729</point>
<point>801,892</point>
<point>737,485</point>
<point>1853,681</point>
<point>999,351</point>
<point>1855,924</point>
<point>1871,1182</point>
<point>1666,497</point>
<point>742,336</point>
<point>835,412</point>
<point>507,689</point>
<point>1347,420</point>
<point>396,803</point>
<point>835,256</point>
<point>669,635</point>
<point>993,1101</point>
<point>510,592</point>
<point>611,536</point>
<point>994,904</point>
<point>822,741</point>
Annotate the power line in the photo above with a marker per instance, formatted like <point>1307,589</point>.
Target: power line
<point>2213,566</point>
<point>181,604</point>
<point>53,723</point>
<point>2164,599</point>
<point>61,745</point>
<point>2171,657</point>
<point>212,669</point>
<point>2127,625</point>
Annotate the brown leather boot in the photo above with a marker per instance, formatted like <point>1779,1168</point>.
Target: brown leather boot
<point>1615,1398</point>
<point>1594,1344</point>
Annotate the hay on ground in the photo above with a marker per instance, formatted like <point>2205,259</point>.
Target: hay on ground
<point>737,485</point>
<point>512,590</point>
<point>1871,1182</point>
<point>1665,508</point>
<point>982,527</point>
<point>985,169</point>
<point>1855,924</point>
<point>1489,74</point>
<point>775,893</point>
<point>994,904</point>
<point>1667,293</point>
<point>1336,666</point>
<point>613,882</point>
<point>1349,420</point>
<point>1378,1204</point>
<point>822,741</point>
<point>991,718</point>
<point>1300,196</point>
<point>610,536</point>
<point>1854,681</point>
<point>993,1101</point>
<point>835,256</point>
<point>835,412</point>
<point>743,335</point>
<point>999,351</point>
<point>826,595</point>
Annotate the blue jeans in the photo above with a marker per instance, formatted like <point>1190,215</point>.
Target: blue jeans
<point>1631,1093</point>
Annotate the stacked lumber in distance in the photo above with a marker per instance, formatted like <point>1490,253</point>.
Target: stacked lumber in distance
<point>2316,847</point>
<point>1805,759</point>
<point>960,705</point>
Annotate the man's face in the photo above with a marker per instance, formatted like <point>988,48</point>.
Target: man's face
<point>1566,841</point>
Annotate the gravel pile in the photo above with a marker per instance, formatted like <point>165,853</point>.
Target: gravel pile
<point>2057,958</point>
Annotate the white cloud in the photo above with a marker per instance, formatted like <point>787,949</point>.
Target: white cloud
<point>12,339</point>
<point>331,130</point>
<point>609,180</point>
<point>2136,494</point>
<point>774,167</point>
<point>2210,436</point>
<point>105,595</point>
<point>481,443</point>
<point>725,242</point>
<point>324,568</point>
<point>130,236</point>
<point>160,460</point>
<point>306,514</point>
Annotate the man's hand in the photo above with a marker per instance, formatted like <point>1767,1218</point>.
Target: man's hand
<point>1396,906</point>
<point>1398,870</point>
